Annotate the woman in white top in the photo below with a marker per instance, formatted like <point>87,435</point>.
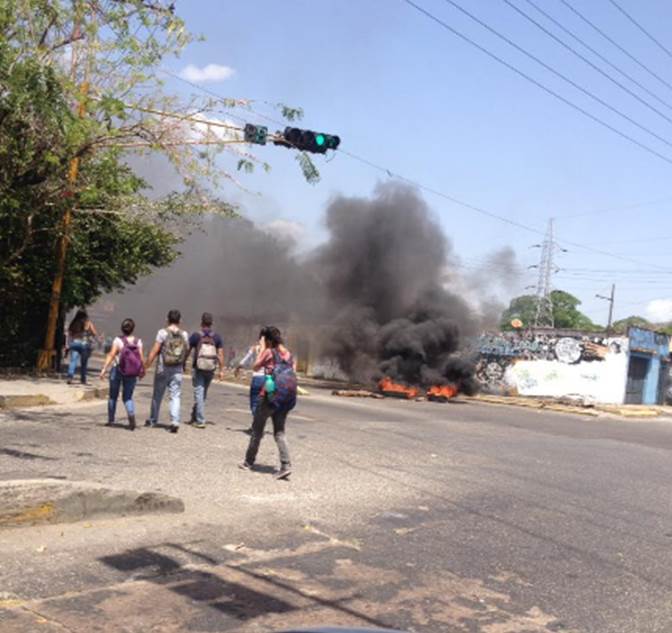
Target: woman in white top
<point>128,364</point>
<point>258,376</point>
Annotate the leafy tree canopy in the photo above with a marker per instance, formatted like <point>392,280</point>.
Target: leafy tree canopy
<point>102,58</point>
<point>621,326</point>
<point>565,312</point>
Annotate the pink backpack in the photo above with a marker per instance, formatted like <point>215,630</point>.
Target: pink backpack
<point>130,363</point>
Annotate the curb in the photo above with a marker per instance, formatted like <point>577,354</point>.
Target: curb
<point>642,411</point>
<point>46,501</point>
<point>20,401</point>
<point>15,402</point>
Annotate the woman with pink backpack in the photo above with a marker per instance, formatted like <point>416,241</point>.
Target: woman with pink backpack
<point>128,364</point>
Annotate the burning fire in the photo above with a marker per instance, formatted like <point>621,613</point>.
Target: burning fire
<point>441,393</point>
<point>390,388</point>
<point>438,393</point>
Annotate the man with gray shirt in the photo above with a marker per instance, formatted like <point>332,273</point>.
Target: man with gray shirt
<point>171,347</point>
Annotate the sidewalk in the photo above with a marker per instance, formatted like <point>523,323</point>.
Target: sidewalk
<point>31,392</point>
<point>595,410</point>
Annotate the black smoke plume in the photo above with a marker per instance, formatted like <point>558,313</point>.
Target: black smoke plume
<point>382,269</point>
<point>374,294</point>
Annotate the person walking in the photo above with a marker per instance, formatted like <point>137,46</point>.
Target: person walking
<point>81,334</point>
<point>171,347</point>
<point>278,399</point>
<point>208,353</point>
<point>128,364</point>
<point>258,376</point>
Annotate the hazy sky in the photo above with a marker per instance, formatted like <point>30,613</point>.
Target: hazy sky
<point>404,93</point>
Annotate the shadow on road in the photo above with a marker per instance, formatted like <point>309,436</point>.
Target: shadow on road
<point>240,593</point>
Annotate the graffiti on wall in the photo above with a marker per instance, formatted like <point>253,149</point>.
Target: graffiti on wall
<point>498,353</point>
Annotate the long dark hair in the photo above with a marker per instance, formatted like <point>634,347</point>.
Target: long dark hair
<point>79,322</point>
<point>273,336</point>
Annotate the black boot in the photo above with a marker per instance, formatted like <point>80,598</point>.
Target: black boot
<point>131,423</point>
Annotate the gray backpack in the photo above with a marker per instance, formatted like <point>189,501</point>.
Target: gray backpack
<point>174,349</point>
<point>206,353</point>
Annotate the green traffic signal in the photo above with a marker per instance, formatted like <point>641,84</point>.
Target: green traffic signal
<point>306,140</point>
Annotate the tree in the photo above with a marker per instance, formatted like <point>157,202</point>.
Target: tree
<point>621,326</point>
<point>523,308</point>
<point>100,57</point>
<point>107,250</point>
<point>565,312</point>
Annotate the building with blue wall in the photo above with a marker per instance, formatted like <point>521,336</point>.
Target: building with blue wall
<point>648,366</point>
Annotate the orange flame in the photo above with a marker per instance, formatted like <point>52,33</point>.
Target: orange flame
<point>390,388</point>
<point>442,392</point>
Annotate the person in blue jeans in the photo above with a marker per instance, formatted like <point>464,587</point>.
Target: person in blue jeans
<point>208,356</point>
<point>118,381</point>
<point>171,347</point>
<point>258,376</point>
<point>81,332</point>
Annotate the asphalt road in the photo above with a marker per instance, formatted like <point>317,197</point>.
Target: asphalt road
<point>414,515</point>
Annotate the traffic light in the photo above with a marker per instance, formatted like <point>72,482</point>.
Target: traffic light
<point>255,134</point>
<point>307,140</point>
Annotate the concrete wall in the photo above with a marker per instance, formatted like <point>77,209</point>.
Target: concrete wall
<point>554,364</point>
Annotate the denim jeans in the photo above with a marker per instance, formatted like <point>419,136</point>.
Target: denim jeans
<point>170,377</point>
<point>127,385</point>
<point>261,415</point>
<point>255,391</point>
<point>79,350</point>
<point>201,381</point>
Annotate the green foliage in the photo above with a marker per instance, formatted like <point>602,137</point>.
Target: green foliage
<point>245,165</point>
<point>621,326</point>
<point>565,312</point>
<point>310,172</point>
<point>523,308</point>
<point>109,248</point>
<point>117,233</point>
<point>290,113</point>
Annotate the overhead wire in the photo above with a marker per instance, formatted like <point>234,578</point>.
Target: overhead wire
<point>595,67</point>
<point>542,63</point>
<point>537,83</point>
<point>626,207</point>
<point>597,54</point>
<point>641,28</point>
<point>392,174</point>
<point>615,43</point>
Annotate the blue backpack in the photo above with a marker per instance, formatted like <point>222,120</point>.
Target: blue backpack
<point>283,397</point>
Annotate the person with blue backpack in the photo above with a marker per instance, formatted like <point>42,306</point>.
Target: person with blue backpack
<point>278,398</point>
<point>127,361</point>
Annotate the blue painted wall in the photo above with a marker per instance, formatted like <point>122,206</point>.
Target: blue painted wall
<point>654,346</point>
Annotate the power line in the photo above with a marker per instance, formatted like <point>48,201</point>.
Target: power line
<point>595,67</point>
<point>616,44</point>
<point>418,185</point>
<point>597,53</point>
<point>641,28</point>
<point>391,174</point>
<point>440,194</point>
<point>641,241</point>
<point>537,83</point>
<point>556,72</point>
<point>636,205</point>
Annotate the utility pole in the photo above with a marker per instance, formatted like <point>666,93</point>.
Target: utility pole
<point>544,313</point>
<point>48,351</point>
<point>610,299</point>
